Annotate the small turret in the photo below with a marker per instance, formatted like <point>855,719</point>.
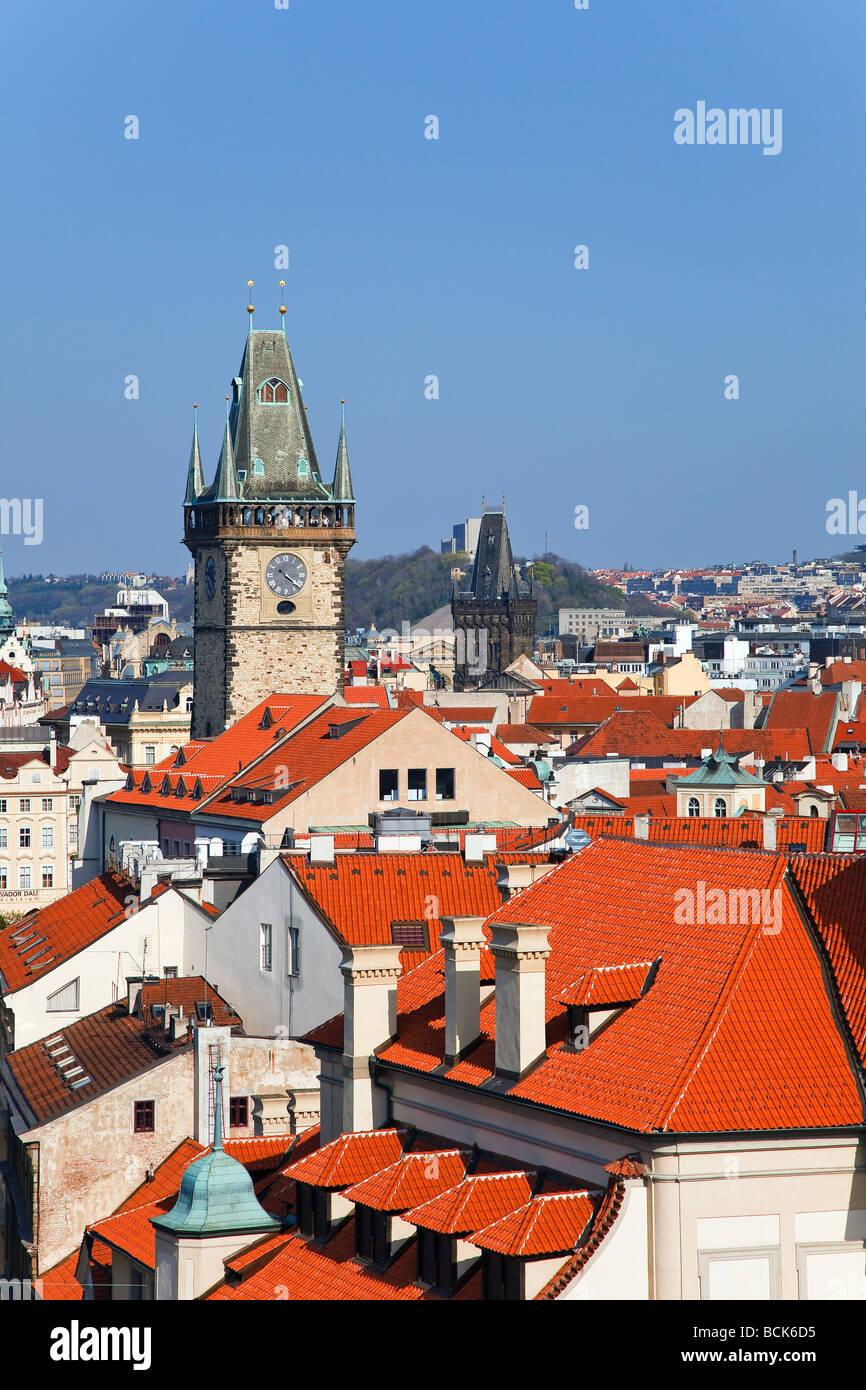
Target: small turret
<point>195,472</point>
<point>342,489</point>
<point>226,482</point>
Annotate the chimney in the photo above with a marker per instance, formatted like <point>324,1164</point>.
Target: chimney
<point>520,951</point>
<point>770,831</point>
<point>641,825</point>
<point>476,846</point>
<point>133,990</point>
<point>52,748</point>
<point>462,940</point>
<point>321,849</point>
<point>370,975</point>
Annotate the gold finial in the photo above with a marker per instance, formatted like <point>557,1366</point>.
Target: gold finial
<point>195,405</point>
<point>251,308</point>
<point>282,297</point>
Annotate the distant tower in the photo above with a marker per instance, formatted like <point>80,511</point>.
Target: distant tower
<point>494,620</point>
<point>269,540</point>
<point>7,622</point>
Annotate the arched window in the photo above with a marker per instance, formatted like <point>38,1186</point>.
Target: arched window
<point>720,806</point>
<point>258,467</point>
<point>694,806</point>
<point>813,810</point>
<point>303,468</point>
<point>274,392</point>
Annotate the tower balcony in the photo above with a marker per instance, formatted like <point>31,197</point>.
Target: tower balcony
<point>278,521</point>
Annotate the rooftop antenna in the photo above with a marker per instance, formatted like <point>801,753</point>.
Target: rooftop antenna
<point>251,308</point>
<point>283,304</point>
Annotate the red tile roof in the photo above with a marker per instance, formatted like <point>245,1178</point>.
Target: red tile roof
<point>413,1179</point>
<point>349,1158</point>
<point>214,763</point>
<point>185,992</point>
<point>550,1224</point>
<point>362,896</point>
<point>800,709</point>
<point>299,1271</point>
<point>311,754</point>
<point>713,1044</point>
<point>108,1047</point>
<point>523,734</point>
<point>474,1203</point>
<point>526,776</point>
<point>50,935</point>
<point>834,886</point>
<point>564,712</point>
<point>608,984</point>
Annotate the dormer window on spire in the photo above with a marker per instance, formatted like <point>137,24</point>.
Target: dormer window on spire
<point>273,392</point>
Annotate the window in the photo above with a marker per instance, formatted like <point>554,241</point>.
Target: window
<point>24,876</point>
<point>4,837</point>
<point>170,972</point>
<point>65,1000</point>
<point>4,806</point>
<point>72,835</point>
<point>258,467</point>
<point>266,932</point>
<point>274,392</point>
<point>48,803</point>
<point>293,951</point>
<point>417,784</point>
<point>24,803</point>
<point>303,468</point>
<point>47,875</point>
<point>143,1121</point>
<point>444,784</point>
<point>150,754</point>
<point>176,847</point>
<point>166,849</point>
<point>720,806</point>
<point>411,935</point>
<point>187,849</point>
<point>75,801</point>
<point>388,784</point>
<point>48,837</point>
<point>24,837</point>
<point>239,1112</point>
<point>4,877</point>
<point>694,806</point>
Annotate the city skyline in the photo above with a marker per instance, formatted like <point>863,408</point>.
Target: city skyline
<point>452,257</point>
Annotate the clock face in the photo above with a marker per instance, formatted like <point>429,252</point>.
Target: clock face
<point>286,575</point>
<point>210,577</point>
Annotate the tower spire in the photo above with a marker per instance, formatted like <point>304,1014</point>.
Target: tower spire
<point>342,489</point>
<point>195,472</point>
<point>226,484</point>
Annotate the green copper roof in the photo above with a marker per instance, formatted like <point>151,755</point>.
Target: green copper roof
<point>216,1192</point>
<point>719,770</point>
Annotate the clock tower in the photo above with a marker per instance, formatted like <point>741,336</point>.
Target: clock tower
<point>269,540</point>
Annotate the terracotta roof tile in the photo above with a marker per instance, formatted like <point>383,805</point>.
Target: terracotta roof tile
<point>550,1224</point>
<point>473,1204</point>
<point>50,935</point>
<point>413,1179</point>
<point>349,1158</point>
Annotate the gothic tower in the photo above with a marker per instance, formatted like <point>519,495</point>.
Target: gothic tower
<point>494,620</point>
<point>269,541</point>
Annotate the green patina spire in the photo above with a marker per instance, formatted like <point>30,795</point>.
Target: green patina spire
<point>216,1192</point>
<point>195,472</point>
<point>7,622</point>
<point>226,484</point>
<point>342,489</point>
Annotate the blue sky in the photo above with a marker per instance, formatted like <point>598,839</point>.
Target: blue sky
<point>410,257</point>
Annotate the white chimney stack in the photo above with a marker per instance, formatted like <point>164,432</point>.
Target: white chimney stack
<point>641,825</point>
<point>520,952</point>
<point>370,975</point>
<point>462,939</point>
